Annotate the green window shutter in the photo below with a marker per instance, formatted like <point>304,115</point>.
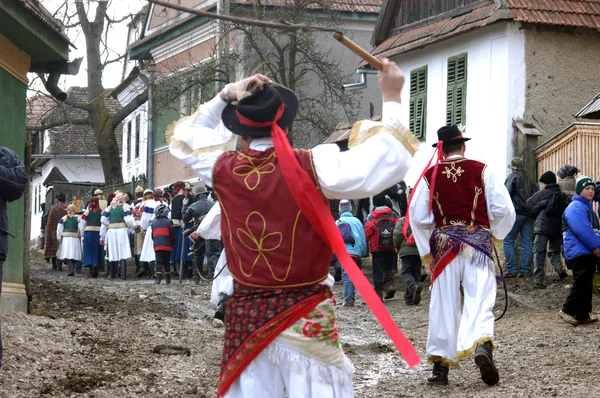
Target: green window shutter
<point>418,102</point>
<point>456,92</point>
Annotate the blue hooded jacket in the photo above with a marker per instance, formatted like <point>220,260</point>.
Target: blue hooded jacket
<point>360,241</point>
<point>579,221</point>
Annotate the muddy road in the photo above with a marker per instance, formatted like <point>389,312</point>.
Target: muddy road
<point>102,338</point>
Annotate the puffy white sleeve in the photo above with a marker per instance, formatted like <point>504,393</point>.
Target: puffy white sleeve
<point>104,220</point>
<point>83,223</point>
<point>422,221</point>
<point>128,217</point>
<point>147,216</point>
<point>210,227</point>
<point>500,209</point>
<point>367,169</point>
<point>199,140</point>
<point>60,228</point>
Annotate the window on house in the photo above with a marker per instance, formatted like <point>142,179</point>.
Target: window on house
<point>418,102</point>
<point>456,93</point>
<point>128,142</point>
<point>137,136</point>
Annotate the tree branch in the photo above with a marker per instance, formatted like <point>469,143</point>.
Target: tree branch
<point>84,121</point>
<point>83,19</point>
<point>130,107</point>
<point>130,16</point>
<point>113,60</point>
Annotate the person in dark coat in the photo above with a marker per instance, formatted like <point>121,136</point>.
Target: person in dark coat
<point>520,188</point>
<point>14,180</point>
<point>57,211</point>
<point>547,205</point>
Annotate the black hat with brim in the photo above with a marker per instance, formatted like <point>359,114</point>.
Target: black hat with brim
<point>261,106</point>
<point>450,135</point>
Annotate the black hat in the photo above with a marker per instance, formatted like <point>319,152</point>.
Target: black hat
<point>450,135</point>
<point>261,107</point>
<point>548,178</point>
<point>61,197</point>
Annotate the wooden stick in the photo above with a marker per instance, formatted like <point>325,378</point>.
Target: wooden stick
<point>355,48</point>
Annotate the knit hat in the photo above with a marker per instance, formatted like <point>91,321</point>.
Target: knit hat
<point>345,206</point>
<point>148,191</point>
<point>567,171</point>
<point>582,182</point>
<point>98,192</point>
<point>548,178</point>
<point>139,189</point>
<point>516,163</point>
<point>161,210</point>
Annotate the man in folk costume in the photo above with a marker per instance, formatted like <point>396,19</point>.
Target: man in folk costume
<point>151,200</point>
<point>454,214</point>
<point>93,252</point>
<point>138,239</point>
<point>280,332</point>
<point>116,219</point>
<point>68,233</point>
<point>57,211</point>
<point>180,194</point>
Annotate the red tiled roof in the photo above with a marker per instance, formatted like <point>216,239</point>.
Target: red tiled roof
<point>368,6</point>
<point>579,13</point>
<point>575,13</point>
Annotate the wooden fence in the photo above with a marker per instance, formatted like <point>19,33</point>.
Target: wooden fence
<point>577,145</point>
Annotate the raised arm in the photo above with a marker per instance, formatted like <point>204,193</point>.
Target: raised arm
<point>380,161</point>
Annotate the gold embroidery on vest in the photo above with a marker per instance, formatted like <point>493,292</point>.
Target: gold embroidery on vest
<point>453,172</point>
<point>439,205</point>
<point>256,166</point>
<point>478,191</point>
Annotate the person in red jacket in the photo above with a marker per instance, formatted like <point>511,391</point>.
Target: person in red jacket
<point>165,238</point>
<point>379,230</point>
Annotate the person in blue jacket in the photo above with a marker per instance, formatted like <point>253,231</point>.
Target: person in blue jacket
<point>582,249</point>
<point>356,243</point>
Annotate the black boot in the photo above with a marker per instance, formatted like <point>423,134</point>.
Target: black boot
<point>139,267</point>
<point>220,313</point>
<point>112,266</point>
<point>70,268</point>
<point>54,264</point>
<point>151,269</point>
<point>123,269</point>
<point>158,278</point>
<point>439,376</point>
<point>59,264</point>
<point>168,278</point>
<point>485,362</point>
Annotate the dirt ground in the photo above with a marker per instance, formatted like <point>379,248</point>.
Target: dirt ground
<point>102,338</point>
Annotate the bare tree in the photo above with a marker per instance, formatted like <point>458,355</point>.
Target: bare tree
<point>98,55</point>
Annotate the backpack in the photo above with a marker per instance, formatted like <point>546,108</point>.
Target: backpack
<point>385,231</point>
<point>556,204</point>
<point>346,232</point>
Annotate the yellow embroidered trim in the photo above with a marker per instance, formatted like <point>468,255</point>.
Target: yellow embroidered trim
<point>70,234</point>
<point>404,135</point>
<point>245,283</point>
<point>467,353</point>
<point>439,205</point>
<point>249,170</point>
<point>453,172</point>
<point>117,225</point>
<point>426,259</point>
<point>478,191</point>
<point>445,361</point>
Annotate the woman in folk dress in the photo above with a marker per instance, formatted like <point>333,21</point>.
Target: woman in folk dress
<point>116,220</point>
<point>92,250</point>
<point>67,231</point>
<point>146,221</point>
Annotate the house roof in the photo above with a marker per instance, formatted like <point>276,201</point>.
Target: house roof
<point>591,110</point>
<point>55,175</point>
<point>75,139</point>
<point>358,6</point>
<point>37,108</point>
<point>573,13</point>
<point>343,130</point>
<point>44,16</point>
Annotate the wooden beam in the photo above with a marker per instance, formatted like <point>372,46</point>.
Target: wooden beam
<point>14,60</point>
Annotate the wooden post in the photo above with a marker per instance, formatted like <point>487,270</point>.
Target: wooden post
<point>27,225</point>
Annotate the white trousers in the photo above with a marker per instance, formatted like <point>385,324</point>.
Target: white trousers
<point>265,377</point>
<point>454,336</point>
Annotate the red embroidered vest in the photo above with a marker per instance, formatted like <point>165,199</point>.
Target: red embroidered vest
<point>269,243</point>
<point>459,197</point>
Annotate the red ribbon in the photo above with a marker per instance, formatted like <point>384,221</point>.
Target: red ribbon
<point>313,207</point>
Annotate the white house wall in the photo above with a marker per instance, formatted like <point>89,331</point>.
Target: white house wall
<point>495,93</point>
<point>75,170</point>
<point>136,166</point>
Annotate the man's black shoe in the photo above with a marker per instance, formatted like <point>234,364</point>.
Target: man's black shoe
<point>417,295</point>
<point>485,362</point>
<point>439,376</point>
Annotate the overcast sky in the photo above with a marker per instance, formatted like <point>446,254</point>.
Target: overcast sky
<point>116,38</point>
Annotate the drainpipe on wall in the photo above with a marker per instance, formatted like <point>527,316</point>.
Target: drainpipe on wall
<point>150,137</point>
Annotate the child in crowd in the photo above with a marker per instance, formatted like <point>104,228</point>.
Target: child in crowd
<point>163,235</point>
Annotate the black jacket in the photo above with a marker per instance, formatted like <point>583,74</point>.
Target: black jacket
<point>13,181</point>
<point>546,224</point>
<point>520,189</point>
